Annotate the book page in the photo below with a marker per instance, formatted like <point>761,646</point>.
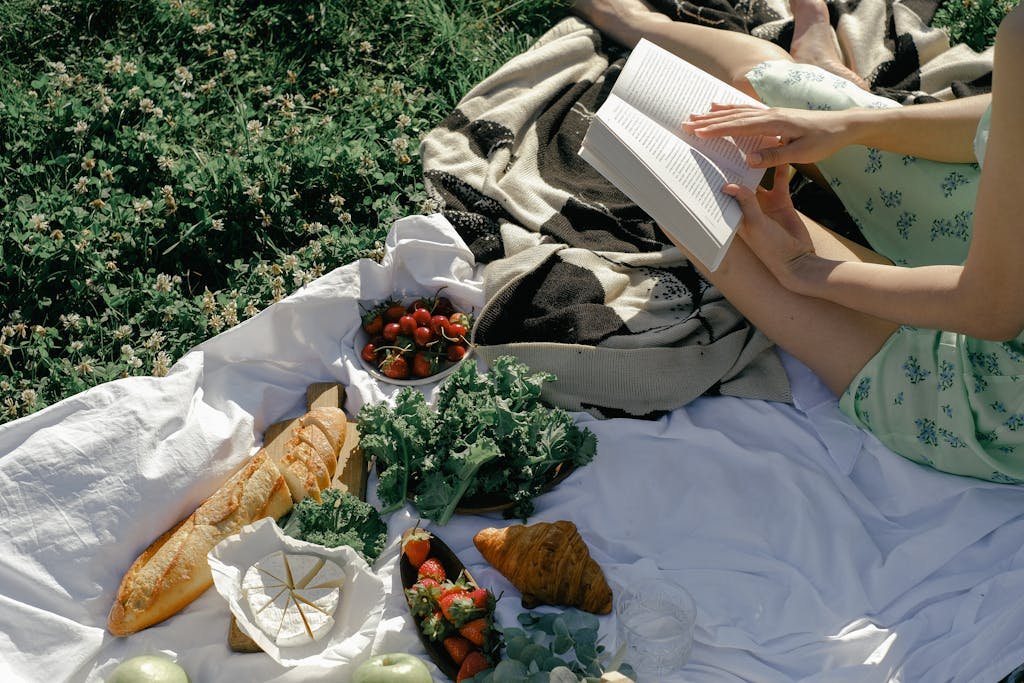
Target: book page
<point>668,89</point>
<point>691,177</point>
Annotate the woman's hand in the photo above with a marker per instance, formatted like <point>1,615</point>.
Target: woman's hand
<point>773,229</point>
<point>804,136</point>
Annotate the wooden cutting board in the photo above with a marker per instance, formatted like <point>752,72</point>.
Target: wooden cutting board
<point>350,476</point>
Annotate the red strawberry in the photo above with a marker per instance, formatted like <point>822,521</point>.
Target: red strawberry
<point>435,626</point>
<point>476,631</point>
<point>457,647</point>
<point>432,568</point>
<point>454,598</point>
<point>423,596</point>
<point>459,607</point>
<point>481,598</point>
<point>474,663</point>
<point>416,546</point>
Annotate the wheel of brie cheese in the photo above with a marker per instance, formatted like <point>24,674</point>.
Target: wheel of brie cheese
<point>293,597</point>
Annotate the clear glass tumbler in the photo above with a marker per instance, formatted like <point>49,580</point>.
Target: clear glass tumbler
<point>656,620</point>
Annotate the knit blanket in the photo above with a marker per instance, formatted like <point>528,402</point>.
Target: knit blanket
<point>581,282</point>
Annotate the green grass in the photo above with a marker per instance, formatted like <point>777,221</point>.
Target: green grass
<point>170,167</point>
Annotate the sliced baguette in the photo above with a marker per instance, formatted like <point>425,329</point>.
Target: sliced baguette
<point>173,571</point>
<point>311,455</point>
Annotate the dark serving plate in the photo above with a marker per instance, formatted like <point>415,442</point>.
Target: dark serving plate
<point>452,568</point>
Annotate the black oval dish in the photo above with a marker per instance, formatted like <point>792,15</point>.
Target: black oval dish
<point>452,568</point>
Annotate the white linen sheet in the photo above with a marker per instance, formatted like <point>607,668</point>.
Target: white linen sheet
<point>813,553</point>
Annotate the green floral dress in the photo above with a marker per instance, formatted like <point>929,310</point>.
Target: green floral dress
<point>939,398</point>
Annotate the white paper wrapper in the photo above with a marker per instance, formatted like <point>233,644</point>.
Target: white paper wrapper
<point>359,610</point>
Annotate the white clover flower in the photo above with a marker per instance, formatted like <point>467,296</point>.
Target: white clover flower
<point>208,302</point>
<point>5,350</point>
<point>366,47</point>
<point>123,332</point>
<point>400,144</point>
<point>163,283</point>
<point>58,67</point>
<point>71,321</point>
<point>127,350</point>
<point>134,362</point>
<point>165,163</point>
<point>253,192</point>
<point>315,227</point>
<point>81,186</point>
<point>216,322</point>
<point>113,65</point>
<point>6,332</point>
<point>76,345</point>
<point>38,222</point>
<point>141,205</point>
<point>291,261</point>
<point>183,74</point>
<point>111,266</point>
<point>265,219</point>
<point>80,127</point>
<point>107,175</point>
<point>146,105</point>
<point>85,367</point>
<point>200,29</point>
<point>155,341</point>
<point>208,86</point>
<point>345,217</point>
<point>161,364</point>
<point>130,68</point>
<point>293,131</point>
<point>88,163</point>
<point>217,224</point>
<point>264,90</point>
<point>403,120</point>
<point>255,127</point>
<point>337,200</point>
<point>230,314</point>
<point>250,310</point>
<point>229,55</point>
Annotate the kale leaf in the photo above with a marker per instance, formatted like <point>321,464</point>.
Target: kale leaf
<point>490,434</point>
<point>338,519</point>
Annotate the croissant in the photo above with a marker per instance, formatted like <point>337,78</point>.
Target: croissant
<point>549,563</point>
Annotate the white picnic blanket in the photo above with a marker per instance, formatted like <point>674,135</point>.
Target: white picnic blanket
<point>813,553</point>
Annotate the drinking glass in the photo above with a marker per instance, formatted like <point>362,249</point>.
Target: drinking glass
<point>656,620</point>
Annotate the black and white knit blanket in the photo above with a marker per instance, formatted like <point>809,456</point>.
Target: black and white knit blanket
<point>580,282</point>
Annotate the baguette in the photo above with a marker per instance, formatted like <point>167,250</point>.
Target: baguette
<point>311,456</point>
<point>173,571</point>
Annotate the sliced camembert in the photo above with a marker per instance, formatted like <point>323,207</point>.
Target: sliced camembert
<point>293,597</point>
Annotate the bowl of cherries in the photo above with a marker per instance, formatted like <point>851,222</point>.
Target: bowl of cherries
<point>410,340</point>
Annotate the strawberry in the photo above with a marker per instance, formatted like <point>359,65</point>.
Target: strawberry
<point>435,626</point>
<point>458,607</point>
<point>481,597</point>
<point>476,631</point>
<point>474,663</point>
<point>457,647</point>
<point>416,546</point>
<point>432,568</point>
<point>423,596</point>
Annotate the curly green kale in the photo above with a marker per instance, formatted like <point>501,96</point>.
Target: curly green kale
<point>491,434</point>
<point>338,519</point>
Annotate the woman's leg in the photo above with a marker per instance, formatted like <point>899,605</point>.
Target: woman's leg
<point>834,341</point>
<point>727,55</point>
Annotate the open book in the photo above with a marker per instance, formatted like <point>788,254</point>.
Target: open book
<point>637,142</point>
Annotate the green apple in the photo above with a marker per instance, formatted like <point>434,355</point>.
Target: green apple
<point>148,669</point>
<point>393,668</point>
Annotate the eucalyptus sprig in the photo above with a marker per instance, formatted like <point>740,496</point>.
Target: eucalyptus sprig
<point>556,647</point>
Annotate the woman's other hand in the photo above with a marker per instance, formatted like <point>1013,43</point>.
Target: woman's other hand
<point>773,229</point>
<point>804,136</point>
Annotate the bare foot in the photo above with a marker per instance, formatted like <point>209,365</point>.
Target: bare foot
<point>814,40</point>
<point>623,20</point>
